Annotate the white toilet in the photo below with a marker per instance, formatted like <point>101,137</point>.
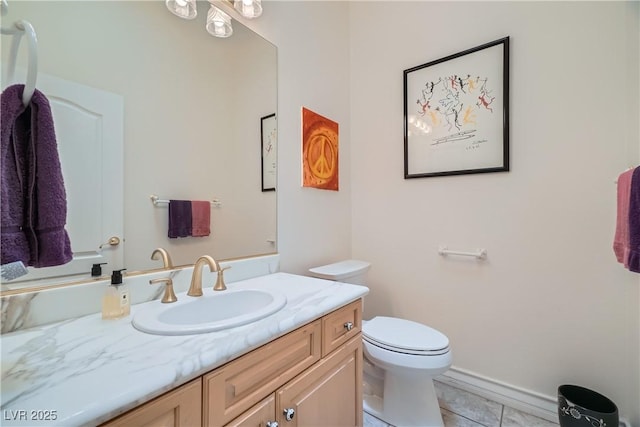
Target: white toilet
<point>401,359</point>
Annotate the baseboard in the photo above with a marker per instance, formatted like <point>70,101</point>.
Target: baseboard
<point>506,394</point>
<point>527,401</point>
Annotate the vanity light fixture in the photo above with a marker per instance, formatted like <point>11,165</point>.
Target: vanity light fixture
<point>218,23</point>
<point>248,8</point>
<point>185,9</point>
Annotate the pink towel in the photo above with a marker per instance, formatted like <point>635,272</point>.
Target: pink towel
<point>621,240</point>
<point>200,218</point>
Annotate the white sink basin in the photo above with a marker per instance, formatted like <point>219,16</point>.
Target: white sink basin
<point>208,313</point>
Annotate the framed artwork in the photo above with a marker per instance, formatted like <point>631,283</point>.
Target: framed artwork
<point>319,151</point>
<point>269,143</point>
<point>456,113</point>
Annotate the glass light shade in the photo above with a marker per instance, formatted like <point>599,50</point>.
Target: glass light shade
<point>185,9</point>
<point>218,23</point>
<point>248,8</point>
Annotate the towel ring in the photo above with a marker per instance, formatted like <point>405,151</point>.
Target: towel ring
<point>19,29</point>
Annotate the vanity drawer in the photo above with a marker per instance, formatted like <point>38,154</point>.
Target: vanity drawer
<point>340,326</point>
<point>237,386</point>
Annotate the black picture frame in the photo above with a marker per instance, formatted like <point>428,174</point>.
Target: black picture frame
<point>268,152</point>
<point>456,113</point>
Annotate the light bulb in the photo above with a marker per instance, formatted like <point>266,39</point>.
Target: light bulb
<point>218,23</point>
<point>185,9</point>
<point>248,8</point>
<point>218,28</point>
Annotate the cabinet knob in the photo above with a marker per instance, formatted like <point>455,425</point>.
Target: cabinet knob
<point>289,413</point>
<point>348,326</point>
<point>272,424</point>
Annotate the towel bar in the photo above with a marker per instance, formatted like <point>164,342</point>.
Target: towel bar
<point>480,253</point>
<point>216,203</point>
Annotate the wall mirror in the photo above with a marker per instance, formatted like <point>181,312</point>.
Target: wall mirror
<point>191,124</point>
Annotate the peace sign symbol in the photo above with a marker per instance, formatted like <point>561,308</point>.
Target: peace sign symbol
<point>321,155</point>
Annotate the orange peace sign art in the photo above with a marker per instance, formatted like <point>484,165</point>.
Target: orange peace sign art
<point>319,151</point>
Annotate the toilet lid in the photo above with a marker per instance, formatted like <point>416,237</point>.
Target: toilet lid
<point>340,270</point>
<point>404,334</point>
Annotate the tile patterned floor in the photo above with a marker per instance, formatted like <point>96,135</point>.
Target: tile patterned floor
<point>463,409</point>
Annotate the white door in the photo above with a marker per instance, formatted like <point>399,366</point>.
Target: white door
<point>89,131</point>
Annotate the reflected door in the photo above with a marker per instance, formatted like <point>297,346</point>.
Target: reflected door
<point>89,131</point>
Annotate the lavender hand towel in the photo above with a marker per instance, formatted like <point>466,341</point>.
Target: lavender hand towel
<point>34,201</point>
<point>634,222</point>
<point>179,218</point>
<point>200,218</point>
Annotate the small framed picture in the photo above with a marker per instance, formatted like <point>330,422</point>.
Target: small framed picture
<point>269,143</point>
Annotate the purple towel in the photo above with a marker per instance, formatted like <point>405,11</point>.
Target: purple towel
<point>34,201</point>
<point>179,218</point>
<point>634,222</point>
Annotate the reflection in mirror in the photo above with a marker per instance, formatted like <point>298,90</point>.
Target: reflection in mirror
<point>191,107</point>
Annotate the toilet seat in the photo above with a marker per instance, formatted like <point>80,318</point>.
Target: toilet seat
<point>404,336</point>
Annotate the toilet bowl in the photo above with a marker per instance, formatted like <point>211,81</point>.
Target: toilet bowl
<point>411,355</point>
<point>401,359</point>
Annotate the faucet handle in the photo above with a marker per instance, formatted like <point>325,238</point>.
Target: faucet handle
<point>220,286</point>
<point>169,295</point>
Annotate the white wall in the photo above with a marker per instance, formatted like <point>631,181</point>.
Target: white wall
<point>550,305</point>
<point>314,226</point>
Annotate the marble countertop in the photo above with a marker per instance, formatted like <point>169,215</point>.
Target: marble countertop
<point>87,370</point>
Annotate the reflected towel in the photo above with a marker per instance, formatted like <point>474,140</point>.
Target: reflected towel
<point>621,239</point>
<point>179,218</point>
<point>200,218</point>
<point>34,200</point>
<point>634,222</point>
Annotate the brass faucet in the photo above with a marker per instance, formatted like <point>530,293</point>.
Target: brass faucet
<point>169,295</point>
<point>164,255</point>
<point>195,290</point>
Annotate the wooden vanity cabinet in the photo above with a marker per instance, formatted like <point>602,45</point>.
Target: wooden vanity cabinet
<point>328,393</point>
<point>323,395</point>
<point>311,376</point>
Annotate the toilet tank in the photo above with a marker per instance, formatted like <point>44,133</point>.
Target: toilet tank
<point>348,271</point>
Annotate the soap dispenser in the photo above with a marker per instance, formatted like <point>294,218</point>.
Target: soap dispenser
<point>96,269</point>
<point>116,303</point>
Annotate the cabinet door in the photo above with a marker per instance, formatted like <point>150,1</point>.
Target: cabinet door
<point>258,416</point>
<point>328,394</point>
<point>180,407</point>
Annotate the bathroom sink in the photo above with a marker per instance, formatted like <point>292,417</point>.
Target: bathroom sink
<point>212,312</point>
